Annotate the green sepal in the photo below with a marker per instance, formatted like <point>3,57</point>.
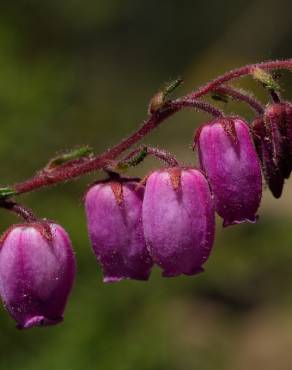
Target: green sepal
<point>171,86</point>
<point>77,153</point>
<point>266,79</point>
<point>158,99</point>
<point>123,166</point>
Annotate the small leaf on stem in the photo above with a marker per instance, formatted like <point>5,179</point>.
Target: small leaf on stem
<point>220,97</point>
<point>158,99</point>
<point>266,79</point>
<point>171,86</point>
<point>77,153</point>
<point>7,192</point>
<point>123,166</point>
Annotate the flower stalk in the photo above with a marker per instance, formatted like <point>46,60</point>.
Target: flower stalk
<point>73,169</point>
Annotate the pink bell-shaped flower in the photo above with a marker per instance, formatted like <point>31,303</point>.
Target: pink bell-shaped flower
<point>179,220</point>
<point>114,217</point>
<point>229,160</point>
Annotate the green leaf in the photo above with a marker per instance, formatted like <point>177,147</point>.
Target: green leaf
<point>158,99</point>
<point>7,192</point>
<point>123,166</point>
<point>77,153</point>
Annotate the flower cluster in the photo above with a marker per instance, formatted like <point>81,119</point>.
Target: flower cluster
<point>168,218</point>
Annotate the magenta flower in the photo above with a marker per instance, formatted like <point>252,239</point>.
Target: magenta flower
<point>178,218</point>
<point>229,159</point>
<point>37,270</point>
<point>115,228</point>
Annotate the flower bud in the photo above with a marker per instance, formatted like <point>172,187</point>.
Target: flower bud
<point>37,270</point>
<point>229,160</point>
<point>272,134</point>
<point>278,124</point>
<point>114,216</point>
<point>268,149</point>
<point>179,220</point>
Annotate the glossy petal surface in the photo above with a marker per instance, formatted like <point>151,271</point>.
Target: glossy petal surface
<point>232,168</point>
<point>178,219</point>
<point>116,231</point>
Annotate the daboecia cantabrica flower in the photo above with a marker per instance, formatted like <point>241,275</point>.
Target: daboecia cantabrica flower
<point>179,220</point>
<point>229,160</point>
<point>37,271</point>
<point>114,216</point>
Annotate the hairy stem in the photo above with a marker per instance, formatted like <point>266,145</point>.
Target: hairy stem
<point>163,155</point>
<point>239,72</point>
<point>238,94</point>
<point>25,213</point>
<point>171,107</point>
<point>198,105</point>
<point>156,152</point>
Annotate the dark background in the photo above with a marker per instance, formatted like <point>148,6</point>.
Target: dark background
<point>81,72</point>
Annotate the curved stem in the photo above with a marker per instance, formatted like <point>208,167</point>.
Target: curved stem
<point>239,72</point>
<point>70,172</point>
<point>171,107</point>
<point>163,155</point>
<point>156,152</point>
<point>240,95</point>
<point>198,105</point>
<point>275,96</point>
<point>25,213</point>
<point>62,174</point>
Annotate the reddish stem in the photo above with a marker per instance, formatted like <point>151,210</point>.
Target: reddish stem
<point>70,172</point>
<point>65,173</point>
<point>198,105</point>
<point>158,153</point>
<point>163,155</point>
<point>25,213</point>
<point>238,94</point>
<point>239,72</point>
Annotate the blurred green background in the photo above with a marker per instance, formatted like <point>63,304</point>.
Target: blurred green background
<point>81,72</point>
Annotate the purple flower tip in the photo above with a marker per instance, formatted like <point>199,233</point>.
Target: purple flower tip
<point>229,160</point>
<point>39,321</point>
<point>251,220</point>
<point>114,216</point>
<point>179,220</point>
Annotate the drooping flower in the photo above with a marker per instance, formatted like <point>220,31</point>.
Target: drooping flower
<point>272,134</point>
<point>229,160</point>
<point>278,123</point>
<point>114,217</point>
<point>269,150</point>
<point>179,220</point>
<point>37,270</point>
